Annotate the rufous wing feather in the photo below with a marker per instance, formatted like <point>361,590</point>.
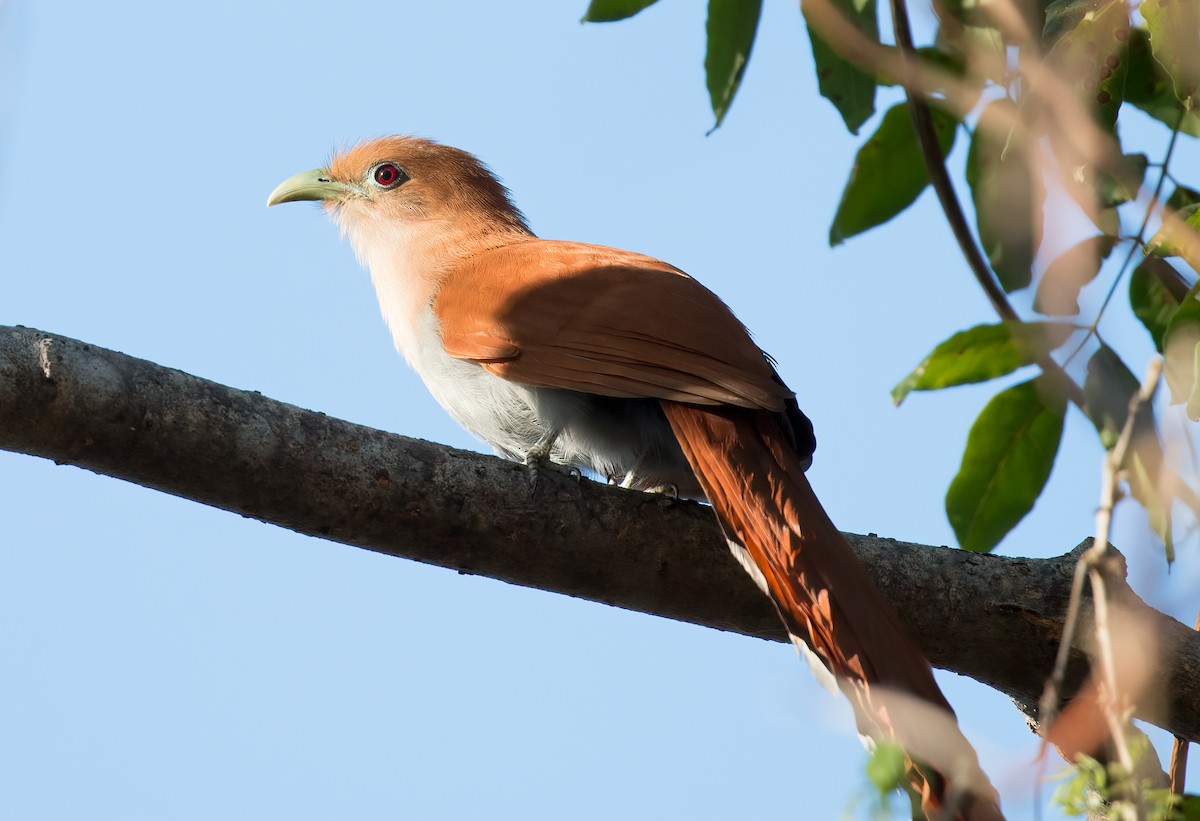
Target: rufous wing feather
<point>589,318</point>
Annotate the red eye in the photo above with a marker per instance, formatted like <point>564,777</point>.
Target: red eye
<point>387,174</point>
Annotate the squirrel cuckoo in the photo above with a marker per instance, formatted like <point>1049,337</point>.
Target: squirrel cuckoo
<point>623,365</point>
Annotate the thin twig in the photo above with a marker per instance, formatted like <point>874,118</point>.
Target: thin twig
<point>1052,695</point>
<point>1091,566</point>
<point>1116,712</point>
<point>1179,757</point>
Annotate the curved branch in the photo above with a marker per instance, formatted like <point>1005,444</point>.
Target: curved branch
<point>993,618</point>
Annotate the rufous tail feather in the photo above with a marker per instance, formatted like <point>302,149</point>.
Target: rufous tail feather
<point>755,481</point>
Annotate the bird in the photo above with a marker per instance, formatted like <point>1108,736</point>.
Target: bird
<point>621,365</point>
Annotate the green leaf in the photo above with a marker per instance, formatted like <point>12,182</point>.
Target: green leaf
<point>1058,292</point>
<point>1061,17</point>
<point>1149,88</point>
<point>1112,191</point>
<point>732,25</point>
<point>1179,346</point>
<point>1174,35</point>
<point>887,766</point>
<point>888,173</point>
<point>1010,451</point>
<point>1182,197</point>
<point>1189,808</point>
<point>982,353</point>
<point>1006,187</point>
<point>607,11</point>
<point>1155,291</point>
<point>1173,240</point>
<point>1106,393</point>
<point>1182,366</point>
<point>1091,53</point>
<point>849,88</point>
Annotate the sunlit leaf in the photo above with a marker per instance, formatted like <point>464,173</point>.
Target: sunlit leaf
<point>1010,451</point>
<point>1058,292</point>
<point>888,173</point>
<point>1149,88</point>
<point>732,25</point>
<point>849,88</point>
<point>1175,42</point>
<point>981,353</point>
<point>1174,240</point>
<point>1179,344</point>
<point>1006,187</point>
<point>1182,365</point>
<point>1155,291</point>
<point>1062,16</point>
<point>606,11</point>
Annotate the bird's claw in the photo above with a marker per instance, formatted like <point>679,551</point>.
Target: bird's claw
<point>668,491</point>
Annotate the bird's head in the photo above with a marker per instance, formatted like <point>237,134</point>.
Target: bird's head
<point>408,180</point>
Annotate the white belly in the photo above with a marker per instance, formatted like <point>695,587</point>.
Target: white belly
<point>499,412</point>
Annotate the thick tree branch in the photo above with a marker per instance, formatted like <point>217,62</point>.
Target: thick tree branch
<point>993,618</point>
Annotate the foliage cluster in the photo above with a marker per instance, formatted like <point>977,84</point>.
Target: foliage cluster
<point>1038,89</point>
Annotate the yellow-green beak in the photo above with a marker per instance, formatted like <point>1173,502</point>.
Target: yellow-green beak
<point>309,185</point>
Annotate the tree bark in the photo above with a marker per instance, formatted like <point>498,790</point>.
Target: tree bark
<point>993,618</point>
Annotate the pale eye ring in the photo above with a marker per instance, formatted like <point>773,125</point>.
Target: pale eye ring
<point>387,175</point>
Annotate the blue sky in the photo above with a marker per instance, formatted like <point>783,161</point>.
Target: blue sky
<point>166,660</point>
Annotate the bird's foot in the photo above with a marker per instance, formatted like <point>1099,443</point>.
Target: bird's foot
<point>539,454</point>
<point>538,458</point>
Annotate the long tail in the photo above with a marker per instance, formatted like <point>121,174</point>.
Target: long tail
<point>748,468</point>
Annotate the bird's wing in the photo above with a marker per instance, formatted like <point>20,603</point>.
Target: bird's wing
<point>602,321</point>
